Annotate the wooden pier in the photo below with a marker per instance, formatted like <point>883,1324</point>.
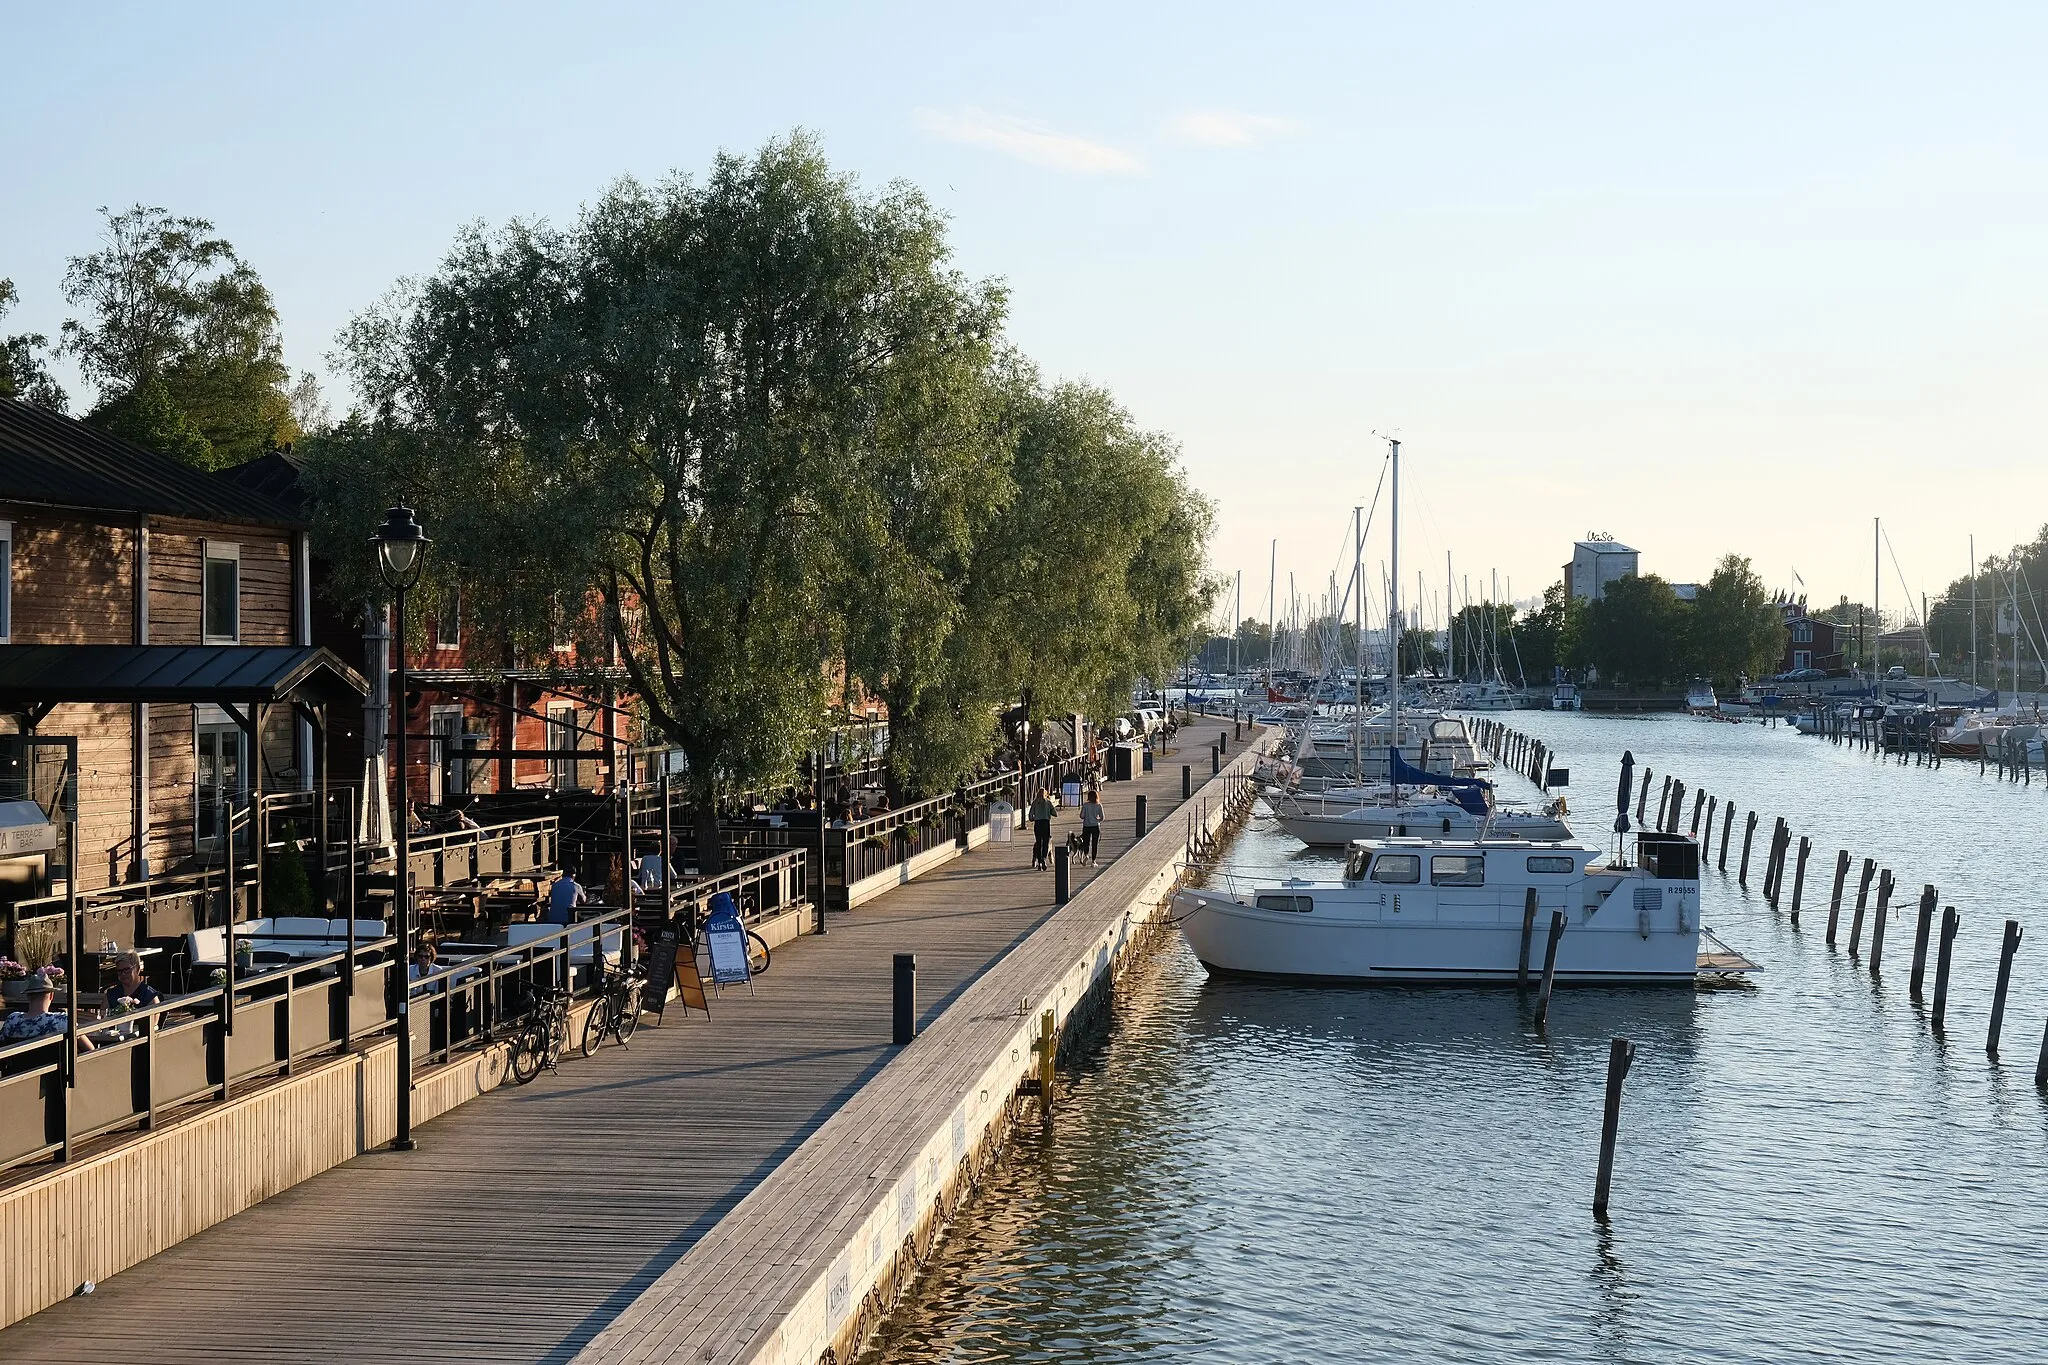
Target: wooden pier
<point>530,1219</point>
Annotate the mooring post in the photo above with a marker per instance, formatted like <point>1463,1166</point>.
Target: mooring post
<point>1707,834</point>
<point>1748,833</point>
<point>1642,797</point>
<point>1062,875</point>
<point>905,998</point>
<point>1549,968</point>
<point>1141,815</point>
<point>1663,802</point>
<point>1677,808</point>
<point>1835,901</point>
<point>1528,932</point>
<point>2041,1063</point>
<point>2005,954</point>
<point>1699,799</point>
<point>1799,877</point>
<point>1187,781</point>
<point>1771,862</point>
<point>1862,901</point>
<point>1951,923</point>
<point>1621,1054</point>
<point>1921,932</point>
<point>1884,913</point>
<point>1727,828</point>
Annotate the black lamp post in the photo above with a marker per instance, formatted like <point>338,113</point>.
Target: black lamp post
<point>401,553</point>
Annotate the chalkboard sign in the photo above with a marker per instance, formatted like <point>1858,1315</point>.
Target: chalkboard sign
<point>662,969</point>
<point>728,944</point>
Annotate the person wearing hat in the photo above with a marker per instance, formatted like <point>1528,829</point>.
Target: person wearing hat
<point>38,1020</point>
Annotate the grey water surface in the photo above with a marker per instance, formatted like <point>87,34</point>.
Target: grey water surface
<point>1249,1172</point>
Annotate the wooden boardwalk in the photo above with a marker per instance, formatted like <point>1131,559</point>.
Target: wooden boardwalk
<point>529,1219</point>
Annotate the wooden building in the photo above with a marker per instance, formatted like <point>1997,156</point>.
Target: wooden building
<point>105,543</point>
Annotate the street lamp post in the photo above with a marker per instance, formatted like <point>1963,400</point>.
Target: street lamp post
<point>401,553</point>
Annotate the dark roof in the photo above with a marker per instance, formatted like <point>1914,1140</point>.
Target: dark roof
<point>58,461</point>
<point>39,676</point>
<point>274,475</point>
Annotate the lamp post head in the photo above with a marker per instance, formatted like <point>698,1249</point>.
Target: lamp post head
<point>401,548</point>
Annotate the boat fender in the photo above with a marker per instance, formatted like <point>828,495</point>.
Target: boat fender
<point>1684,926</point>
<point>1643,922</point>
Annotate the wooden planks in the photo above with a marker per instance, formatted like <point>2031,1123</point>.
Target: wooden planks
<point>531,1219</point>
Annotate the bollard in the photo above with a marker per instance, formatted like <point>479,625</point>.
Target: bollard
<point>1528,932</point>
<point>1621,1054</point>
<point>1187,781</point>
<point>1141,815</point>
<point>1148,756</point>
<point>1799,877</point>
<point>1748,833</point>
<point>1727,828</point>
<point>1862,900</point>
<point>1549,969</point>
<point>1951,922</point>
<point>2011,946</point>
<point>1222,743</point>
<point>1835,901</point>
<point>1062,875</point>
<point>1884,913</point>
<point>1920,936</point>
<point>1236,728</point>
<point>1216,758</point>
<point>906,998</point>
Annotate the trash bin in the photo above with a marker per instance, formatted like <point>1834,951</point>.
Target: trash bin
<point>1123,762</point>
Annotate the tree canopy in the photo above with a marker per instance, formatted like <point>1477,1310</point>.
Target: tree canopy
<point>24,370</point>
<point>1736,629</point>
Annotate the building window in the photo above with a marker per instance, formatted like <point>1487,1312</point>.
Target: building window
<point>448,620</point>
<point>1803,632</point>
<point>221,604</point>
<point>6,581</point>
<point>562,741</point>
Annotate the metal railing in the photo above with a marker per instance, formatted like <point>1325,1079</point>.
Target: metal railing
<point>760,889</point>
<point>467,1002</point>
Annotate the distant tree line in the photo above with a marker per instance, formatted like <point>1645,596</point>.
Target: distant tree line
<point>1640,633</point>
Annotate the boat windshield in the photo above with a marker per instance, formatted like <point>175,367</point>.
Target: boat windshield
<point>1399,868</point>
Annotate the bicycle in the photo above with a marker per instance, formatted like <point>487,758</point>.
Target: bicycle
<point>542,1035</point>
<point>615,1011</point>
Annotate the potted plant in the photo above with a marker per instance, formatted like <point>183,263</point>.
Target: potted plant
<point>13,981</point>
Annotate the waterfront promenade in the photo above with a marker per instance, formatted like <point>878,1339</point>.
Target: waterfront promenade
<point>529,1219</point>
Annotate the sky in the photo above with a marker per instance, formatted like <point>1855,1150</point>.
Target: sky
<point>1710,279</point>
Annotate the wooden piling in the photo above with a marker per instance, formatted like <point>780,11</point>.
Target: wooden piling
<point>1835,901</point>
<point>1677,808</point>
<point>1748,834</point>
<point>1884,907</point>
<point>2041,1063</point>
<point>1727,826</point>
<point>1699,799</point>
<point>1921,932</point>
<point>1707,836</point>
<point>1663,802</point>
<point>1549,969</point>
<point>1799,877</point>
<point>1621,1054</point>
<point>1642,798</point>
<point>1528,932</point>
<point>2005,955</point>
<point>1951,923</point>
<point>1862,902</point>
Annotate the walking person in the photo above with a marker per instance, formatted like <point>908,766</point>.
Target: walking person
<point>1091,825</point>
<point>1041,813</point>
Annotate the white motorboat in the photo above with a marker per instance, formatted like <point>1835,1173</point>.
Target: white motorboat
<point>1492,695</point>
<point>1434,816</point>
<point>1565,697</point>
<point>1699,697</point>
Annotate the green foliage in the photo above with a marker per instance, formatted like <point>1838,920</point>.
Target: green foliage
<point>173,308</point>
<point>2009,600</point>
<point>1474,637</point>
<point>24,373</point>
<point>1419,652</point>
<point>1635,633</point>
<point>1551,636</point>
<point>286,888</point>
<point>1736,629</point>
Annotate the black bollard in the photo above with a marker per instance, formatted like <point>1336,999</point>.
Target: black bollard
<point>1215,758</point>
<point>1835,901</point>
<point>1187,781</point>
<point>1621,1054</point>
<point>1236,728</point>
<point>1862,901</point>
<point>1799,877</point>
<point>1549,968</point>
<point>2005,952</point>
<point>1222,743</point>
<point>1884,914</point>
<point>1921,933</point>
<point>1062,875</point>
<point>1951,923</point>
<point>1528,932</point>
<point>1141,815</point>
<point>1727,828</point>
<point>1148,756</point>
<point>906,998</point>
<point>1748,833</point>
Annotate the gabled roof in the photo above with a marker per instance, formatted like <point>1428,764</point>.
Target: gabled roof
<point>58,461</point>
<point>35,677</point>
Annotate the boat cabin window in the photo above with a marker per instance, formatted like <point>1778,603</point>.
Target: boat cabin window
<point>1457,869</point>
<point>1354,867</point>
<point>1550,862</point>
<point>1398,868</point>
<point>1298,905</point>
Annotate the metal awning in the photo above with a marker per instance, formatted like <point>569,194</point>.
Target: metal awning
<point>34,678</point>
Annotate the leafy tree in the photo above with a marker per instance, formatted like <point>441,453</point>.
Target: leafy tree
<point>1478,629</point>
<point>24,374</point>
<point>1551,636</point>
<point>1737,629</point>
<point>1635,633</point>
<point>1420,652</point>
<point>149,416</point>
<point>172,305</point>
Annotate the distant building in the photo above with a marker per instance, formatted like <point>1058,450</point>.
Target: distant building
<point>1596,562</point>
<point>1686,592</point>
<point>1810,642</point>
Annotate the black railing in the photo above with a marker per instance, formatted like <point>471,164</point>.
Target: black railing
<point>476,990</point>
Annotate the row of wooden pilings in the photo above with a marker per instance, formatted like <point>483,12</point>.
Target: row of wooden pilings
<point>2009,756</point>
<point>1926,935</point>
<point>1240,790</point>
<point>1526,754</point>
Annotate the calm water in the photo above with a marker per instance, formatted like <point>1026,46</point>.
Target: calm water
<point>1258,1173</point>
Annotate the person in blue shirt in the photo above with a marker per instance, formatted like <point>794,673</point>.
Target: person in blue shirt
<point>130,984</point>
<point>563,898</point>
<point>38,1020</point>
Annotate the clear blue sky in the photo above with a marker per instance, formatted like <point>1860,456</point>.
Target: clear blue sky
<point>1731,277</point>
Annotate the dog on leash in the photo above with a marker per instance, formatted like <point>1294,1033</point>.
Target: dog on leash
<point>1076,845</point>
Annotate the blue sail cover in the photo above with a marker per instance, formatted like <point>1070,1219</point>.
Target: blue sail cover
<point>1469,792</point>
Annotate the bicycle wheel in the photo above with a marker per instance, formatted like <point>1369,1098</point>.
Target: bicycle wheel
<point>595,1023</point>
<point>629,1013</point>
<point>527,1049</point>
<point>757,953</point>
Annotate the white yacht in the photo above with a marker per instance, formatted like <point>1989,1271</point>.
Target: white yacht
<point>1452,911</point>
<point>1699,697</point>
<point>1492,695</point>
<point>1386,816</point>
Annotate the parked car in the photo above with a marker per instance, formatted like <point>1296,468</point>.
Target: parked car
<point>1806,675</point>
<point>1151,720</point>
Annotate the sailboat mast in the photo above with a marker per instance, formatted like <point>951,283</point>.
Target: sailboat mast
<point>1876,586</point>
<point>1973,613</point>
<point>1394,600</point>
<point>1272,614</point>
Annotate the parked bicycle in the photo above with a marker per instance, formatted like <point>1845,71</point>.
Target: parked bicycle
<point>615,1011</point>
<point>542,1035</point>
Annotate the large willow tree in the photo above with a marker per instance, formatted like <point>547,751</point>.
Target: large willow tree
<point>743,431</point>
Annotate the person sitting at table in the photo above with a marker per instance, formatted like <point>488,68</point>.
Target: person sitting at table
<point>131,989</point>
<point>650,873</point>
<point>426,958</point>
<point>36,1019</point>
<point>563,898</point>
